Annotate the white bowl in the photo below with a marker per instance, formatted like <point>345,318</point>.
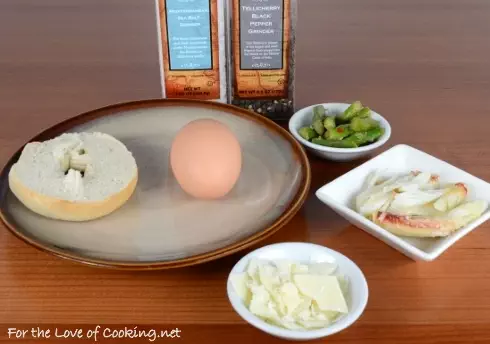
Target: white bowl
<point>306,253</point>
<point>339,195</point>
<point>303,118</point>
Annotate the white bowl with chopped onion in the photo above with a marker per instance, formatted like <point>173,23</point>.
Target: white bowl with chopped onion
<point>297,291</point>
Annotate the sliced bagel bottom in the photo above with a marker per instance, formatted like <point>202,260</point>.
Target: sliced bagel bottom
<point>60,209</point>
<point>74,177</point>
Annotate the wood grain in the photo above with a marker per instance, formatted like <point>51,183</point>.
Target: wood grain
<point>422,64</point>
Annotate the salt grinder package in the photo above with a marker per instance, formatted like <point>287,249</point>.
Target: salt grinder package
<point>262,51</point>
<point>191,35</point>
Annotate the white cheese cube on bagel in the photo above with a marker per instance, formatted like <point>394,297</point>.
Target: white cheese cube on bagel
<point>75,176</point>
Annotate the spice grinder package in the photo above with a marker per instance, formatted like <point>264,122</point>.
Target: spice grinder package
<point>262,53</point>
<point>192,49</point>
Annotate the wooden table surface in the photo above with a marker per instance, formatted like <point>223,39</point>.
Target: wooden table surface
<point>423,64</point>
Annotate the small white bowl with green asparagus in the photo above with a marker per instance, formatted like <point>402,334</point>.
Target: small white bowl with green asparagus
<point>339,131</point>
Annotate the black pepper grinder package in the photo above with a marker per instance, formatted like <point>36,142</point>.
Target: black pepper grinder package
<point>262,53</point>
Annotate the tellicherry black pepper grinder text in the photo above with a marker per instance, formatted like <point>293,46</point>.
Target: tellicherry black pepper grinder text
<point>262,53</point>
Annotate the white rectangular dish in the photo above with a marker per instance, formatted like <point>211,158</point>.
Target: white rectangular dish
<point>339,194</point>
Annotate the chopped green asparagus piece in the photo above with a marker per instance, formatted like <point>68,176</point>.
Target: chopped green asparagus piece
<point>361,138</point>
<point>363,124</point>
<point>318,113</point>
<point>338,133</point>
<point>364,113</point>
<point>350,112</point>
<point>375,133</point>
<point>329,122</point>
<point>335,143</point>
<point>318,126</point>
<point>307,133</point>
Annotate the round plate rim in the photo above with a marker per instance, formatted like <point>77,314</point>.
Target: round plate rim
<point>117,108</point>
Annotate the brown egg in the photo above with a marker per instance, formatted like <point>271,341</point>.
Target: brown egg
<point>206,159</point>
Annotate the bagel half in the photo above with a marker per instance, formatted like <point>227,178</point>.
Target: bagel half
<point>75,176</point>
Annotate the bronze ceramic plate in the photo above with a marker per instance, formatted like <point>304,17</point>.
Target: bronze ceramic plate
<point>160,226</point>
